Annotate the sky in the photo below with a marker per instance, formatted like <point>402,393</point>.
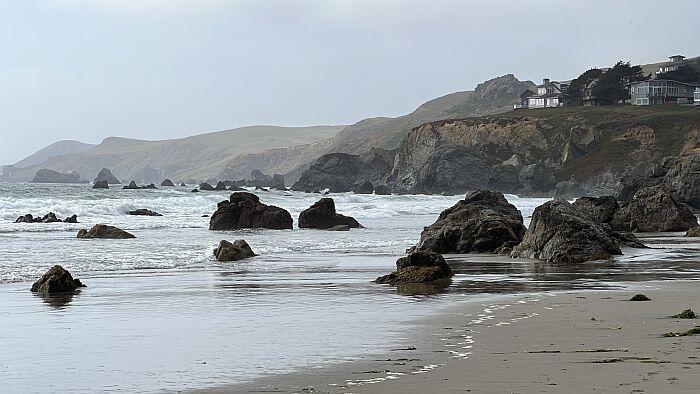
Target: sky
<point>89,69</point>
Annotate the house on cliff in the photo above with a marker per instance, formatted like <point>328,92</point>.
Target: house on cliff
<point>696,96</point>
<point>674,62</point>
<point>662,91</point>
<point>549,94</point>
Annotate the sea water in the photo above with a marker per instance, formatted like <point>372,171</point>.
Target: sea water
<point>160,314</point>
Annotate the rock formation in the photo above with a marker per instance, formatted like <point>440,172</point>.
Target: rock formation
<point>51,176</point>
<point>278,182</point>
<point>365,187</point>
<point>483,222</point>
<point>56,280</point>
<point>693,232</point>
<point>418,267</point>
<point>48,218</point>
<point>132,186</point>
<point>143,212</point>
<point>238,250</point>
<point>654,209</point>
<point>322,215</point>
<point>104,231</point>
<point>206,186</point>
<point>220,186</point>
<point>244,210</point>
<point>105,175</point>
<point>167,183</point>
<point>599,209</point>
<point>100,185</point>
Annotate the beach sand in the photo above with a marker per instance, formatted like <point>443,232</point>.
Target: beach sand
<point>565,342</point>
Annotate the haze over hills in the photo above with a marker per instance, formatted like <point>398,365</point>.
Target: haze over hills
<point>59,148</point>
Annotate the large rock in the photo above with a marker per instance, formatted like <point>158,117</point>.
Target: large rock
<point>560,234</point>
<point>238,250</point>
<point>100,185</point>
<point>56,280</point>
<point>483,222</point>
<point>51,176</point>
<point>599,209</point>
<point>206,186</point>
<point>244,210</point>
<point>365,187</point>
<point>167,183</point>
<point>104,231</point>
<point>654,209</point>
<point>105,175</point>
<point>220,186</point>
<point>278,182</point>
<point>257,178</point>
<point>131,186</point>
<point>418,267</point>
<point>322,215</point>
<point>451,170</point>
<point>143,212</point>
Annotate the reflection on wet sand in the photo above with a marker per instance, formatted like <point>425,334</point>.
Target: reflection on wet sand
<point>58,300</point>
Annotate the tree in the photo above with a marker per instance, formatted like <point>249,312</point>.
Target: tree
<point>684,73</point>
<point>575,92</point>
<point>611,87</point>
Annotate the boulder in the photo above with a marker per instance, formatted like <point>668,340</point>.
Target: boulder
<point>56,280</point>
<point>238,250</point>
<point>481,223</point>
<point>71,219</point>
<point>144,212</point>
<point>278,182</point>
<point>167,183</point>
<point>693,232</point>
<point>131,186</point>
<point>244,210</point>
<point>561,234</point>
<point>322,215</point>
<point>104,231</point>
<point>100,185</point>
<point>654,209</point>
<point>206,186</point>
<point>365,187</point>
<point>106,175</point>
<point>51,176</point>
<point>599,209</point>
<point>220,186</point>
<point>418,267</point>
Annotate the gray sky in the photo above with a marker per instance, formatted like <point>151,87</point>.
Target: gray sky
<point>88,69</point>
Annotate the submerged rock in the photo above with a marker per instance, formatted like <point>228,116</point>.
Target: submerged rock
<point>100,185</point>
<point>167,183</point>
<point>640,297</point>
<point>104,231</point>
<point>106,175</point>
<point>244,210</point>
<point>418,267</point>
<point>654,209</point>
<point>483,222</point>
<point>238,250</point>
<point>144,212</point>
<point>56,280</point>
<point>322,215</point>
<point>561,234</point>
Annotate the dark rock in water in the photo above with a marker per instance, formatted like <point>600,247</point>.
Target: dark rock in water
<point>106,175</point>
<point>640,297</point>
<point>144,212</point>
<point>206,186</point>
<point>262,189</point>
<point>322,215</point>
<point>100,185</point>
<point>56,280</point>
<point>131,186</point>
<point>365,187</point>
<point>483,223</point>
<point>382,190</point>
<point>104,231</point>
<point>599,209</point>
<point>418,267</point>
<point>654,209</point>
<point>340,227</point>
<point>238,250</point>
<point>220,186</point>
<point>278,182</point>
<point>561,234</point>
<point>48,218</point>
<point>236,189</point>
<point>195,190</point>
<point>150,186</point>
<point>244,210</point>
<point>257,178</point>
<point>182,184</point>
<point>71,219</point>
<point>51,176</point>
<point>168,183</point>
<point>693,232</point>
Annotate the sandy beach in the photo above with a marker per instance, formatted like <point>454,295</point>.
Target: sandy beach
<point>592,341</point>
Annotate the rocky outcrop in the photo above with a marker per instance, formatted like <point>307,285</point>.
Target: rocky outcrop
<point>382,190</point>
<point>560,234</point>
<point>48,218</point>
<point>365,187</point>
<point>238,250</point>
<point>220,186</point>
<point>150,186</point>
<point>654,209</point>
<point>418,267</point>
<point>51,176</point>
<point>182,184</point>
<point>322,215</point>
<point>167,183</point>
<point>449,170</point>
<point>105,175</point>
<point>206,186</point>
<point>599,209</point>
<point>56,280</point>
<point>257,178</point>
<point>131,186</point>
<point>100,185</point>
<point>693,232</point>
<point>104,231</point>
<point>481,223</point>
<point>278,182</point>
<point>143,212</point>
<point>244,210</point>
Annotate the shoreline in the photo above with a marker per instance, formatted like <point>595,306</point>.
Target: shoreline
<point>582,341</point>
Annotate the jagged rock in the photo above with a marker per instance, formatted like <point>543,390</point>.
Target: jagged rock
<point>220,186</point>
<point>169,183</point>
<point>56,280</point>
<point>100,185</point>
<point>150,186</point>
<point>278,182</point>
<point>322,215</point>
<point>48,218</point>
<point>182,184</point>
<point>418,267</point>
<point>106,175</point>
<point>144,212</point>
<point>131,186</point>
<point>654,209</point>
<point>451,170</point>
<point>244,210</point>
<point>561,234</point>
<point>51,176</point>
<point>365,187</point>
<point>238,250</point>
<point>693,232</point>
<point>104,231</point>
<point>71,219</point>
<point>483,223</point>
<point>599,209</point>
<point>206,186</point>
<point>382,190</point>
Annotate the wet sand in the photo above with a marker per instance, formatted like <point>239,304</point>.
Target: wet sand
<point>592,341</point>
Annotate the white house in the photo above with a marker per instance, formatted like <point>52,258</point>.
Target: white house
<point>672,65</point>
<point>549,94</point>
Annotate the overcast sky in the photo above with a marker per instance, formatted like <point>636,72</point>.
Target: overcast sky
<point>88,69</point>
